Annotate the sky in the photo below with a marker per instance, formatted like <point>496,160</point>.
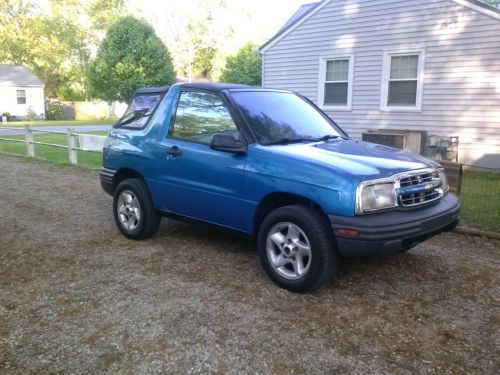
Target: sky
<point>271,14</point>
<point>256,20</point>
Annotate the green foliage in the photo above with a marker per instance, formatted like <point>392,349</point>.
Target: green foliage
<point>199,36</point>
<point>244,67</point>
<point>104,12</point>
<point>54,42</point>
<point>130,56</point>
<point>31,114</point>
<point>51,45</point>
<point>53,110</point>
<point>495,3</point>
<point>203,64</point>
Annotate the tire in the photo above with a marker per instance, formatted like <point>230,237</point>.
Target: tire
<point>283,239</point>
<point>133,209</point>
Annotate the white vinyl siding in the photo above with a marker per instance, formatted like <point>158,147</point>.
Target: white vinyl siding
<point>461,68</point>
<point>335,82</point>
<point>11,100</point>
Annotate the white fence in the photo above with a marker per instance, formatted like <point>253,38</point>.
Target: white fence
<point>75,141</point>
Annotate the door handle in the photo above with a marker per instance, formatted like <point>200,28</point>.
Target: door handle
<point>174,151</point>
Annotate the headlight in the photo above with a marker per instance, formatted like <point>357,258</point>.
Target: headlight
<point>444,181</point>
<point>376,197</point>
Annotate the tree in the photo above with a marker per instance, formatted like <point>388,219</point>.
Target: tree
<point>129,57</point>
<point>495,3</point>
<point>244,67</point>
<point>203,63</point>
<point>55,41</point>
<point>103,13</point>
<point>199,33</point>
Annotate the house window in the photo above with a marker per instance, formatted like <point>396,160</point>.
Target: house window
<point>335,89</point>
<point>402,81</point>
<point>21,96</point>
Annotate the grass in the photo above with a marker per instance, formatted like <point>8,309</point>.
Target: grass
<point>55,155</point>
<point>60,123</point>
<point>480,200</point>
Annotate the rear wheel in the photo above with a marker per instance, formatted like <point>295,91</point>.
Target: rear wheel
<point>133,209</point>
<point>297,249</point>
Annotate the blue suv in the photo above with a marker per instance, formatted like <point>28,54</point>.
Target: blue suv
<point>270,164</point>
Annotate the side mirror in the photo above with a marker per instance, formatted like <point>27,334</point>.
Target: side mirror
<point>227,143</point>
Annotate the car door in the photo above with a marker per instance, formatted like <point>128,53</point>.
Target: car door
<point>197,181</point>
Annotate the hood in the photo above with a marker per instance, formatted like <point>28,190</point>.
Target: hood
<point>365,161</point>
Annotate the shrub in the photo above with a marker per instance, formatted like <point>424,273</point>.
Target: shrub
<point>53,109</point>
<point>31,113</point>
<point>130,56</point>
<point>244,67</point>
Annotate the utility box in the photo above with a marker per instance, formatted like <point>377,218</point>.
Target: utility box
<point>412,141</point>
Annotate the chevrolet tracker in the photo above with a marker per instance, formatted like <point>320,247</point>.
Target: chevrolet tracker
<point>270,164</point>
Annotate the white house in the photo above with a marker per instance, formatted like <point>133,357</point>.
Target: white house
<point>409,73</point>
<point>21,92</point>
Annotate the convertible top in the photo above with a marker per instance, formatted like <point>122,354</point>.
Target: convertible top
<point>213,86</point>
<point>152,90</point>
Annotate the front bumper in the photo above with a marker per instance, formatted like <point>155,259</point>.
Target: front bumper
<point>393,231</point>
<point>106,175</point>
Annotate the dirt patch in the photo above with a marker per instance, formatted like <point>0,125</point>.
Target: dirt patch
<point>76,296</point>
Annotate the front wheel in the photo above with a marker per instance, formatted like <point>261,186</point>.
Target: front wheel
<point>297,249</point>
<point>134,211</point>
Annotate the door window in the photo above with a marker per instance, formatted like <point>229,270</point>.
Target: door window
<point>200,115</point>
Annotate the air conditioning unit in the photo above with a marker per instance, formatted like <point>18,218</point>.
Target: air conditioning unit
<point>413,141</point>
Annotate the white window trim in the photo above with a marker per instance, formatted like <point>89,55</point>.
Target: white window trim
<point>386,71</point>
<point>321,83</point>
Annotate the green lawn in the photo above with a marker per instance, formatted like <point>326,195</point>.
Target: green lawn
<point>68,123</point>
<point>480,200</point>
<point>52,154</point>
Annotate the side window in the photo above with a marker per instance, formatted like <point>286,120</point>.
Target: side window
<point>200,115</point>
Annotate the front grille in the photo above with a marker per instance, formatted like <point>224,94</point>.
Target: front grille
<point>418,198</point>
<point>415,180</point>
<point>419,189</point>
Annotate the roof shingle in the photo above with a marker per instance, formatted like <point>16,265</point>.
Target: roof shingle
<point>18,75</point>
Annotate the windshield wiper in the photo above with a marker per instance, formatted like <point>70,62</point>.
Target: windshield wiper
<point>133,116</point>
<point>286,141</point>
<point>327,137</point>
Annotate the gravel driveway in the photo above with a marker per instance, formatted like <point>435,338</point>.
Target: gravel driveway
<point>77,297</point>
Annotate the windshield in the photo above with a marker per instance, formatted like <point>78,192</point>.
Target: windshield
<point>281,117</point>
<point>138,112</point>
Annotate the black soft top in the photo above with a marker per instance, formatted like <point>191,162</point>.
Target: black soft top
<point>213,86</point>
<point>152,90</point>
<point>202,86</point>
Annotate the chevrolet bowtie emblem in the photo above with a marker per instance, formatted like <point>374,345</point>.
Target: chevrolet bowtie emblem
<point>428,186</point>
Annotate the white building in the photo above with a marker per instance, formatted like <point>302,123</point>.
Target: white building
<point>21,92</point>
<point>413,72</point>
